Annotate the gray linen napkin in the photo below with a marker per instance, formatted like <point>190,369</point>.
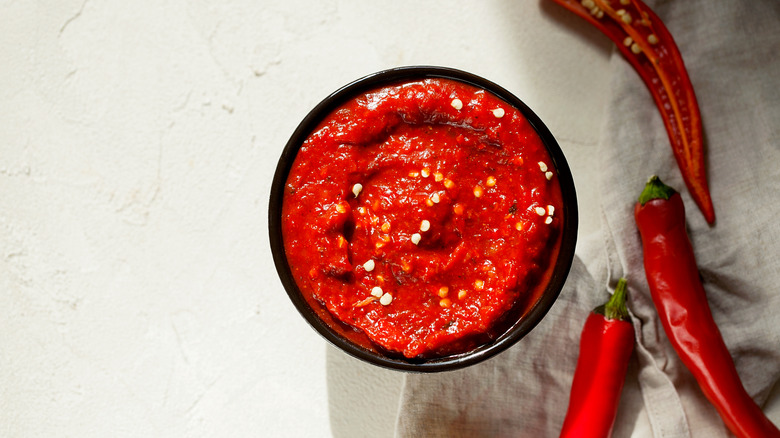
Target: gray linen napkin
<point>729,49</point>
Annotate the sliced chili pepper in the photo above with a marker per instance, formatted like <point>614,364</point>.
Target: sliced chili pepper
<point>679,297</point>
<point>605,347</point>
<point>645,42</point>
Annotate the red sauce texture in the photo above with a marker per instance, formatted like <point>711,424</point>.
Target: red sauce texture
<point>438,197</point>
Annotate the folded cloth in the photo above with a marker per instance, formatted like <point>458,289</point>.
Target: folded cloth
<point>728,48</point>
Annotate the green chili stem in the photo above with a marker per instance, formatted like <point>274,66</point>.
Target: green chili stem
<point>655,189</point>
<point>616,308</point>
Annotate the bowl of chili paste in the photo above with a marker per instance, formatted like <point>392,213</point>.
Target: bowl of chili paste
<point>422,218</point>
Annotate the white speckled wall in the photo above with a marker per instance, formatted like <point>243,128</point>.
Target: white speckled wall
<point>137,144</point>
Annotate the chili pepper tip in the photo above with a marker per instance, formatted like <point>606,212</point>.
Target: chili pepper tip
<point>616,308</point>
<point>655,189</point>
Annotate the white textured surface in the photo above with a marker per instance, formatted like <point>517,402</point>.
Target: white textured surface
<point>137,144</point>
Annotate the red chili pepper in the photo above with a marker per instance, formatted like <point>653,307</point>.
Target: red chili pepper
<point>605,347</point>
<point>679,297</point>
<point>648,46</point>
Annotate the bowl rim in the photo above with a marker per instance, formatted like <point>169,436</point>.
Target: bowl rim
<point>516,330</point>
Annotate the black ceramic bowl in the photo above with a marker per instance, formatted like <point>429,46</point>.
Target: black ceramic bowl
<point>515,325</point>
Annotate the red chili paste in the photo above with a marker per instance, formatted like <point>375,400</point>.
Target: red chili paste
<point>420,213</point>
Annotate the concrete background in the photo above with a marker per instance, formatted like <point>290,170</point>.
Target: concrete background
<point>137,145</point>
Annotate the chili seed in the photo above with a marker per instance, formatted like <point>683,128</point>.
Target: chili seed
<point>445,302</point>
<point>462,294</point>
<point>356,189</point>
<point>548,220</point>
<point>498,113</point>
<point>457,104</point>
<point>369,265</point>
<point>425,172</point>
<point>416,238</point>
<point>443,291</point>
<point>540,211</point>
<point>478,191</point>
<point>548,175</point>
<point>377,291</point>
<point>425,225</point>
<point>652,39</point>
<point>386,299</point>
<point>542,166</point>
<point>491,181</point>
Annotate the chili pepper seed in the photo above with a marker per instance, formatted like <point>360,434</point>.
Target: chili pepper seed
<point>652,39</point>
<point>386,299</point>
